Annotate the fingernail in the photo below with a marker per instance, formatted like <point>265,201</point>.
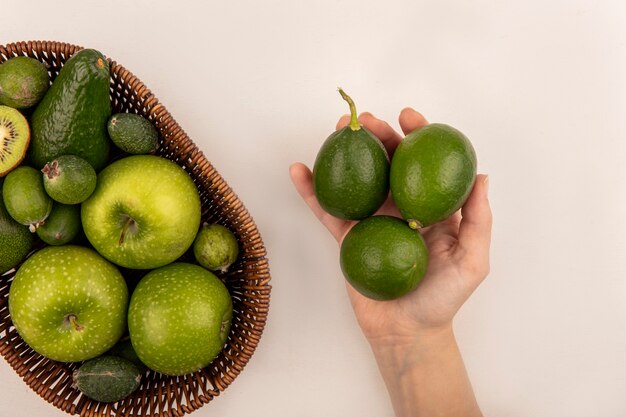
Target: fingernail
<point>486,182</point>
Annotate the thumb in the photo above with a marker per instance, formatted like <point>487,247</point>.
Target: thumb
<point>475,227</point>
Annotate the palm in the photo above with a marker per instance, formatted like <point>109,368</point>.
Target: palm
<point>458,251</point>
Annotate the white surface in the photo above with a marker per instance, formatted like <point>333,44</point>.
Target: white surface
<point>538,86</point>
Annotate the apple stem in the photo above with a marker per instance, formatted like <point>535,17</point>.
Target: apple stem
<point>130,222</point>
<point>354,121</point>
<point>72,319</point>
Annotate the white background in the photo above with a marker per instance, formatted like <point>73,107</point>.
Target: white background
<point>539,87</point>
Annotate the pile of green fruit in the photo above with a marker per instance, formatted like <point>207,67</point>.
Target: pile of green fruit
<point>88,189</point>
<point>430,177</point>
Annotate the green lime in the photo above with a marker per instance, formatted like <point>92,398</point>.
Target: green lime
<point>383,258</point>
<point>432,173</point>
<point>215,247</point>
<point>69,179</point>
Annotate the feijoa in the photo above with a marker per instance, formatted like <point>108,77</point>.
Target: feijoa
<point>215,247</point>
<point>23,82</point>
<point>351,171</point>
<point>14,139</point>
<point>383,258</point>
<point>432,173</point>
<point>107,378</point>
<point>133,133</point>
<point>61,226</point>
<point>15,240</point>
<point>25,197</point>
<point>69,179</point>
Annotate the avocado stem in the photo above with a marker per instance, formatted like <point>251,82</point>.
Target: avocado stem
<point>354,122</point>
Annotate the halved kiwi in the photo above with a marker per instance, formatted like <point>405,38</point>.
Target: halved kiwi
<point>14,139</point>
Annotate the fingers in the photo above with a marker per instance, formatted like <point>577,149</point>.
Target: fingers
<point>475,228</point>
<point>410,120</point>
<point>302,179</point>
<point>379,128</point>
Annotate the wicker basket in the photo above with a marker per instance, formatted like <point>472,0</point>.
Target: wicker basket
<point>248,279</point>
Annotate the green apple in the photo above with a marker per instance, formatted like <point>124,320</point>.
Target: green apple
<point>144,213</point>
<point>68,303</point>
<point>179,318</point>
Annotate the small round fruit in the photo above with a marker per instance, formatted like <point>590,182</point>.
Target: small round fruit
<point>69,179</point>
<point>179,318</point>
<point>15,240</point>
<point>25,198</point>
<point>383,258</point>
<point>107,378</point>
<point>61,226</point>
<point>68,303</point>
<point>133,133</point>
<point>124,349</point>
<point>351,171</point>
<point>432,174</point>
<point>215,247</point>
<point>23,82</point>
<point>14,139</point>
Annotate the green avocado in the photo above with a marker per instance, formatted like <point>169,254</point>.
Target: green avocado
<point>432,173</point>
<point>351,171</point>
<point>71,118</point>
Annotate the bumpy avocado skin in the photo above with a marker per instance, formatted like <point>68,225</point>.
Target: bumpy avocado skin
<point>71,118</point>
<point>351,174</point>
<point>432,173</point>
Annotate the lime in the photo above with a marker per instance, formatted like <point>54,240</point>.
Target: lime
<point>383,258</point>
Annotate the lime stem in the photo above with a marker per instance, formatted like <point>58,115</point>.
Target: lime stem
<point>354,122</point>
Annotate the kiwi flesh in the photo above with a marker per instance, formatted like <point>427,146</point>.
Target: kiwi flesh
<point>14,139</point>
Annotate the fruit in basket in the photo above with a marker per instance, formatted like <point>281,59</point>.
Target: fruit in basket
<point>144,213</point>
<point>25,197</point>
<point>124,349</point>
<point>15,240</point>
<point>432,174</point>
<point>107,378</point>
<point>179,318</point>
<point>133,133</point>
<point>383,258</point>
<point>23,82</point>
<point>71,118</point>
<point>215,247</point>
<point>61,226</point>
<point>14,139</point>
<point>68,303</point>
<point>351,171</point>
<point>69,179</point>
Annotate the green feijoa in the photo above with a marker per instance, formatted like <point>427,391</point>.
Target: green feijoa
<point>23,82</point>
<point>124,349</point>
<point>15,240</point>
<point>133,133</point>
<point>61,226</point>
<point>215,247</point>
<point>351,171</point>
<point>432,174</point>
<point>69,179</point>
<point>383,258</point>
<point>25,197</point>
<point>107,378</point>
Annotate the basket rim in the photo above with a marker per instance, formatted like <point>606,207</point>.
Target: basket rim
<point>257,254</point>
